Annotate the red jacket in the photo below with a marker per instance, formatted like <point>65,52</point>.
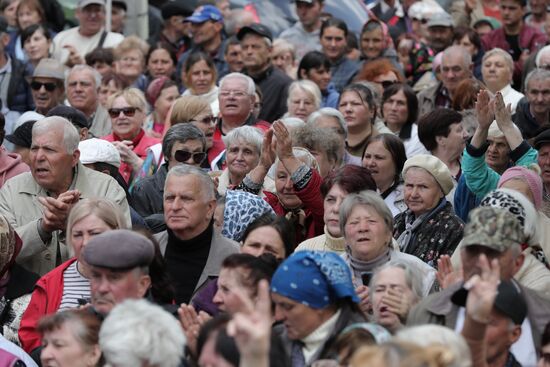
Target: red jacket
<point>312,201</point>
<point>530,38</point>
<point>141,143</point>
<point>10,165</point>
<point>45,300</point>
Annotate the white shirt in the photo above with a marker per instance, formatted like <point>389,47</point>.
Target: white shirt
<point>82,43</point>
<point>511,96</point>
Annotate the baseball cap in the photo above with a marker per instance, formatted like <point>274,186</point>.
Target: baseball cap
<point>85,3</point>
<point>490,21</point>
<point>257,28</point>
<point>98,151</point>
<point>22,136</point>
<point>120,4</point>
<point>509,301</point>
<point>492,227</point>
<point>75,116</point>
<point>176,8</point>
<point>204,13</point>
<point>440,19</point>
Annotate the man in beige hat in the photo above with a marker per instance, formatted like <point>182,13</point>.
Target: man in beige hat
<point>72,45</point>
<point>47,85</point>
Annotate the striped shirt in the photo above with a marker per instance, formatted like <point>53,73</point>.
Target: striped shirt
<point>75,287</point>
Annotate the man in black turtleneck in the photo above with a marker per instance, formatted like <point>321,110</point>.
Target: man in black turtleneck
<point>192,248</point>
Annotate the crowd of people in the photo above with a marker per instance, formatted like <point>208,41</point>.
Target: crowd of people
<point>219,195</point>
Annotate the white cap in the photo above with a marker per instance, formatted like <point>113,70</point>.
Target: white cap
<point>98,151</point>
<point>27,116</point>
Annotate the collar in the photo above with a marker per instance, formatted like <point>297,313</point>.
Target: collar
<point>135,141</point>
<point>315,340</point>
<point>504,91</point>
<point>337,244</point>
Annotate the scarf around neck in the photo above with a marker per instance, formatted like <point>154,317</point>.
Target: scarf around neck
<point>412,224</point>
<point>361,266</point>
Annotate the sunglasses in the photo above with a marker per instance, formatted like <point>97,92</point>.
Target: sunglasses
<point>50,87</point>
<point>183,156</point>
<point>388,83</point>
<point>127,111</point>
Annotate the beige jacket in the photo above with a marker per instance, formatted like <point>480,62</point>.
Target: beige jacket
<point>19,204</point>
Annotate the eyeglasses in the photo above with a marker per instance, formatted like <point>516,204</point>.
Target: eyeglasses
<point>183,156</point>
<point>127,111</point>
<point>388,83</point>
<point>50,87</point>
<point>208,120</point>
<point>235,93</point>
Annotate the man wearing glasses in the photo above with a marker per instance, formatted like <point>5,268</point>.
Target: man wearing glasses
<point>183,143</point>
<point>47,85</point>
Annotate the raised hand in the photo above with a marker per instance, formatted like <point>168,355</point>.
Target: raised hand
<point>485,110</point>
<point>191,322</point>
<point>268,155</point>
<point>503,113</point>
<point>397,303</point>
<point>446,274</point>
<point>364,305</point>
<point>482,290</point>
<point>251,328</point>
<point>284,142</point>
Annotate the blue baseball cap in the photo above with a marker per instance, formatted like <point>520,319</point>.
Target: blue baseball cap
<point>205,13</point>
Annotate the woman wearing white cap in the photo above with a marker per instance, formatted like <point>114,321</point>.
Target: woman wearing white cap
<point>428,228</point>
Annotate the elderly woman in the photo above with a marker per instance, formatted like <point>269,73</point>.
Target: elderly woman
<point>366,223</point>
<point>384,158</point>
<point>324,144</point>
<point>297,195</point>
<point>161,92</point>
<point>359,110</point>
<point>332,119</point>
<point>284,56</point>
<point>130,61</point>
<point>442,133</point>
<point>429,228</point>
<point>394,289</point>
<point>375,42</point>
<point>70,338</point>
<point>335,188</point>
<point>53,292</point>
<point>128,111</point>
<point>312,314</point>
<point>315,66</point>
<point>304,97</point>
<point>400,111</point>
<point>242,155</point>
<point>199,76</point>
<point>497,69</point>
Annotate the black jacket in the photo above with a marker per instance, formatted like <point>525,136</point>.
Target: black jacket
<point>525,121</point>
<point>147,196</point>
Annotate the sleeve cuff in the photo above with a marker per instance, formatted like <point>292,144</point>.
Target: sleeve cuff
<point>520,151</point>
<point>477,152</point>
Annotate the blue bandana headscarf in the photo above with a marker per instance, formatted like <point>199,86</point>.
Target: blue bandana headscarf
<point>316,279</point>
<point>241,209</point>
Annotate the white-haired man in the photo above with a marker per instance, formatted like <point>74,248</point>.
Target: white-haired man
<point>37,203</point>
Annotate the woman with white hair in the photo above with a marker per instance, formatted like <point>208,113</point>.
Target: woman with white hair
<point>304,97</point>
<point>242,154</point>
<point>497,69</point>
<point>138,333</point>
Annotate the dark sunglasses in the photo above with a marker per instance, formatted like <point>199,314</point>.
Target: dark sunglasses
<point>50,87</point>
<point>183,156</point>
<point>388,83</point>
<point>127,111</point>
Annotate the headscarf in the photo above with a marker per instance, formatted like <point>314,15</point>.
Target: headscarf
<point>315,279</point>
<point>10,245</point>
<point>241,209</point>
<point>386,38</point>
<point>530,177</point>
<point>155,88</point>
<point>378,332</point>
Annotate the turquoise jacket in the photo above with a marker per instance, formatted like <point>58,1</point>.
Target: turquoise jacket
<point>480,178</point>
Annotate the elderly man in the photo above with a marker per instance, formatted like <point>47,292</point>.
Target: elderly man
<point>304,34</point>
<point>497,234</point>
<point>72,45</point>
<point>256,40</point>
<point>207,30</point>
<point>37,203</point>
<point>456,66</point>
<point>47,85</point>
<point>183,143</point>
<point>236,98</point>
<point>542,60</point>
<point>82,86</point>
<point>192,248</point>
<point>533,110</point>
<point>440,31</point>
<point>119,267</point>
